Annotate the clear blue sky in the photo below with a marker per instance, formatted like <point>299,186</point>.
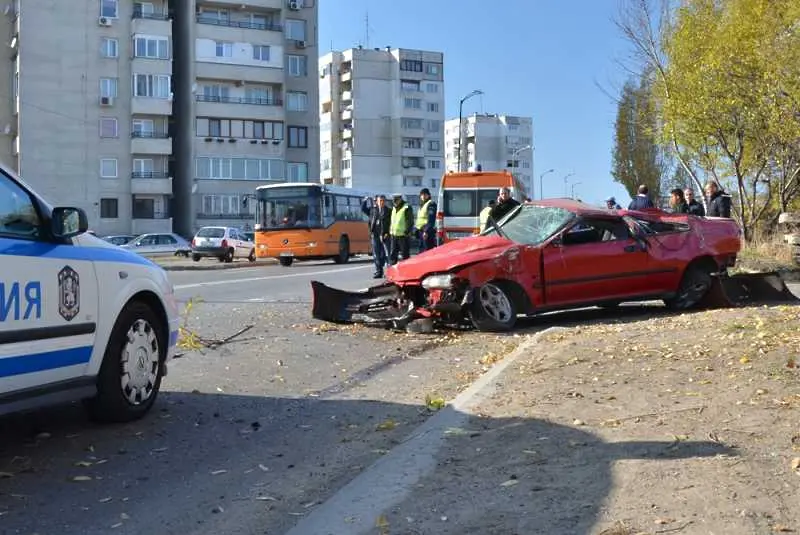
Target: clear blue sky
<point>539,58</point>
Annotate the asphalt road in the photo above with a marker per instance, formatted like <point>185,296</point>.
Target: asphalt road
<point>251,436</point>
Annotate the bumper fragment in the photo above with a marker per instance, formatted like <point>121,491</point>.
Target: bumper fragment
<point>381,305</point>
<point>748,289</point>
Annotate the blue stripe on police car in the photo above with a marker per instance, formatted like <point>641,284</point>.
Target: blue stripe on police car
<point>36,249</point>
<point>39,362</point>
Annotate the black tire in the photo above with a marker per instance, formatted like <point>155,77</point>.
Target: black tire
<point>221,258</point>
<point>493,309</point>
<point>196,257</point>
<point>252,256</point>
<point>285,261</point>
<point>695,284</point>
<point>111,403</point>
<point>228,258</point>
<point>344,251</point>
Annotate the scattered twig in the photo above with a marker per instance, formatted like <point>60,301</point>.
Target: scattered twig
<point>677,528</point>
<point>701,408</point>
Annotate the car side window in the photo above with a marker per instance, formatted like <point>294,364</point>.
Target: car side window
<point>166,239</point>
<point>18,217</point>
<point>596,231</point>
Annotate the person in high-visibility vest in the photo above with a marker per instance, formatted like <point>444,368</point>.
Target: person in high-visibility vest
<point>402,222</point>
<point>485,213</point>
<point>426,221</point>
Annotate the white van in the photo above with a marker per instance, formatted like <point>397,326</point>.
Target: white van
<point>80,318</point>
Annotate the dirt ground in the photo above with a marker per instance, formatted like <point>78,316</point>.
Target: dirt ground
<point>669,424</point>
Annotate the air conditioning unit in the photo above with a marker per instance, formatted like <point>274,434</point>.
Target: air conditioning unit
<point>300,44</point>
<point>104,21</point>
<point>106,101</point>
<point>295,5</point>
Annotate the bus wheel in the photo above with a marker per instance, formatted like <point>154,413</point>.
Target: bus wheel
<point>285,261</point>
<point>344,251</point>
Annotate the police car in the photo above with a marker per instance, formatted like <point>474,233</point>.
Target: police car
<point>80,318</point>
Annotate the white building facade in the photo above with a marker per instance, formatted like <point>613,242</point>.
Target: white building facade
<point>493,142</point>
<point>382,120</point>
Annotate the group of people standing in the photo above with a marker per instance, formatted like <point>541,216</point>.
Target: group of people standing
<point>392,228</point>
<point>682,201</point>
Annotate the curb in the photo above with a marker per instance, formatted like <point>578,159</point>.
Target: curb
<point>354,509</point>
<point>214,267</point>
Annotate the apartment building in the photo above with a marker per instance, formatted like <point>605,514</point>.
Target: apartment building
<point>492,141</point>
<point>92,120</point>
<point>382,120</point>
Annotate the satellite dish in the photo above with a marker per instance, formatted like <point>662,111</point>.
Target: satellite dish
<point>194,188</point>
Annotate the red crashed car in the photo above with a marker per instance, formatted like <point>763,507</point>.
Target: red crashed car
<point>543,256</point>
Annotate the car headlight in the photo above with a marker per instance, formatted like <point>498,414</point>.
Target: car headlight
<point>438,282</point>
<point>257,226</point>
<point>312,244</point>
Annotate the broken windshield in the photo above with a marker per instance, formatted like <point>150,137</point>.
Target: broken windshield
<point>530,224</point>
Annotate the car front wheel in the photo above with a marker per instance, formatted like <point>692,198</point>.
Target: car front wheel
<point>132,368</point>
<point>492,309</point>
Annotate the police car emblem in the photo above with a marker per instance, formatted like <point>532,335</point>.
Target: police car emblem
<point>285,242</point>
<point>69,293</point>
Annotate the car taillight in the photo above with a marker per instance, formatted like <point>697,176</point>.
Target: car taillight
<point>224,244</point>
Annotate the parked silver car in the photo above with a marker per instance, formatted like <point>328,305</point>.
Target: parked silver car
<point>157,244</point>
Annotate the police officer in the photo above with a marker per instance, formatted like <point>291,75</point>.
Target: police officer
<point>485,213</point>
<point>426,221</point>
<point>402,222</point>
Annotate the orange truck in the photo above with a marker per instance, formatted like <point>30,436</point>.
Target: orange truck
<point>462,196</point>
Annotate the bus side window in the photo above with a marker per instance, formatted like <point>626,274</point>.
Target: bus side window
<point>327,210</point>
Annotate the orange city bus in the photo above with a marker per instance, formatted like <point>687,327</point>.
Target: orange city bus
<point>462,196</point>
<point>304,221</point>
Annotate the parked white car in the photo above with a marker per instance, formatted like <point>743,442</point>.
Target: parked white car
<point>224,243</point>
<point>156,244</point>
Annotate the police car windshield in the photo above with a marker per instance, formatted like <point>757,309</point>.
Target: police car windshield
<point>211,232</point>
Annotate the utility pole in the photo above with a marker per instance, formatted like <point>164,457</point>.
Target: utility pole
<point>541,183</point>
<point>566,189</point>
<point>471,94</point>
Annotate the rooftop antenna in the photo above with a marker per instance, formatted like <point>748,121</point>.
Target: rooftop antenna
<point>366,30</point>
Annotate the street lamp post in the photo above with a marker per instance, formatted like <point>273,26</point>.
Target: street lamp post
<point>514,154</point>
<point>573,188</point>
<point>466,97</point>
<point>541,183</point>
<point>566,177</point>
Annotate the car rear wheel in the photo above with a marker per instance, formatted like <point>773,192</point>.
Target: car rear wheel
<point>132,368</point>
<point>285,261</point>
<point>252,257</point>
<point>228,258</point>
<point>196,257</point>
<point>695,284</point>
<point>493,309</point>
<point>344,251</point>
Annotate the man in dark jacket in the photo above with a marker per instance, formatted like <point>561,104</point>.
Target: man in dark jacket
<point>677,202</point>
<point>505,203</point>
<point>380,217</point>
<point>695,207</point>
<point>426,221</point>
<point>642,200</point>
<point>719,202</point>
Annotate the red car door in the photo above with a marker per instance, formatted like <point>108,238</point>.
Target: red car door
<point>595,261</point>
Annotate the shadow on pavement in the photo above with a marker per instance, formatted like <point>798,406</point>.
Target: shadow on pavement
<point>219,463</point>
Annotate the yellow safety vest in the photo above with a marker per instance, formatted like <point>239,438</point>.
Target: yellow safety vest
<point>485,217</point>
<point>398,226</point>
<point>422,215</point>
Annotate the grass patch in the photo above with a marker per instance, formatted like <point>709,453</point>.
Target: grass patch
<point>767,253</point>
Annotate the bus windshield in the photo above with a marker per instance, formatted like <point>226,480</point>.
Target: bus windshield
<point>281,208</point>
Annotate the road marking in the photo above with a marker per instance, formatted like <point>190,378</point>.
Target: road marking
<point>267,277</point>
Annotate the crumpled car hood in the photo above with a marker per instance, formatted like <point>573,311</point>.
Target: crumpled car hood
<point>449,257</point>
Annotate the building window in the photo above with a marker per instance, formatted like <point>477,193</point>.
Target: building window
<point>409,85</point>
<point>108,87</point>
<point>432,68</point>
<point>216,91</point>
<point>433,107</point>
<point>260,52</point>
<point>411,65</point>
<point>433,126</point>
<point>259,95</point>
<point>434,164</point>
<point>298,66</point>
<point>296,29</point>
<point>412,103</point>
<point>213,15</point>
<point>143,127</point>
<point>434,145</point>
<point>224,50</point>
<point>108,168</point>
<point>109,9</point>
<point>297,172</point>
<point>296,101</point>
<point>108,127</point>
<point>298,137</point>
<point>432,88</point>
<point>151,85</point>
<point>109,48</point>
<point>411,124</point>
<point>240,168</point>
<point>412,143</point>
<point>109,208</point>
<point>143,168</point>
<point>151,47</point>
<point>238,128</point>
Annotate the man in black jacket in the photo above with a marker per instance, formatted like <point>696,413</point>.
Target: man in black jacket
<point>505,203</point>
<point>719,202</point>
<point>379,220</point>
<point>695,207</point>
<point>642,200</point>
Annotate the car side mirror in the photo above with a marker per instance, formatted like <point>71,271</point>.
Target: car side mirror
<point>557,242</point>
<point>68,222</point>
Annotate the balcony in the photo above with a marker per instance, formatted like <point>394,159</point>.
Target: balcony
<point>413,170</point>
<point>412,152</point>
<point>145,223</point>
<point>151,21</point>
<point>150,143</point>
<point>347,115</point>
<point>240,107</point>
<point>413,132</point>
<point>239,24</point>
<point>236,72</point>
<point>347,133</point>
<point>347,96</point>
<point>151,106</point>
<point>229,146</point>
<point>151,183</point>
<point>346,76</point>
<point>256,4</point>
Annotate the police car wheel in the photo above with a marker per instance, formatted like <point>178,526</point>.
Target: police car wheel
<point>130,376</point>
